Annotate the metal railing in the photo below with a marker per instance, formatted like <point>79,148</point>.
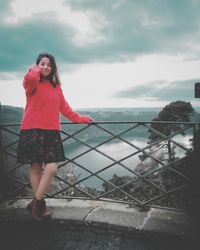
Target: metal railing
<point>115,161</point>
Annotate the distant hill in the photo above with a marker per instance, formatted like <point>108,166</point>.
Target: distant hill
<point>10,114</point>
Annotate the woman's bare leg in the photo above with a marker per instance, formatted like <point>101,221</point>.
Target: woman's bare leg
<point>46,180</point>
<point>35,175</point>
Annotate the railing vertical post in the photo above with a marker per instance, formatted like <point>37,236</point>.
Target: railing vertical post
<point>196,138</point>
<point>1,146</point>
<point>169,150</point>
<point>1,153</point>
<point>1,157</point>
<point>196,146</point>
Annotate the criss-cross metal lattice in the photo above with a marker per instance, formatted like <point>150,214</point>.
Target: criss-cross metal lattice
<point>114,161</point>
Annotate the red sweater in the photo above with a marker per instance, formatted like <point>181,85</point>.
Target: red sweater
<point>44,102</point>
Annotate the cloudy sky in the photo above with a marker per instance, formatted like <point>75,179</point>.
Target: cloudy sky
<point>110,53</point>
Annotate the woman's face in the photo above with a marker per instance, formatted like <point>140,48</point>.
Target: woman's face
<point>45,66</point>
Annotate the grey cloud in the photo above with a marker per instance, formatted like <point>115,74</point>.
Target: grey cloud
<point>21,44</point>
<point>177,90</point>
<point>137,27</point>
<point>5,8</point>
<point>132,28</point>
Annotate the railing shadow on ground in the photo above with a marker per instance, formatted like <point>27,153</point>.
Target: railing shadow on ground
<point>116,162</point>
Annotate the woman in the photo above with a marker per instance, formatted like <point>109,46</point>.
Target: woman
<point>40,143</point>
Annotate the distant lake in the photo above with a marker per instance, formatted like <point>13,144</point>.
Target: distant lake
<point>95,161</point>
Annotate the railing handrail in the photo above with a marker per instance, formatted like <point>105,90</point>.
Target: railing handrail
<point>117,122</point>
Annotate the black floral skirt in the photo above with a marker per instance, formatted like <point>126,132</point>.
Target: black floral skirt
<point>40,146</point>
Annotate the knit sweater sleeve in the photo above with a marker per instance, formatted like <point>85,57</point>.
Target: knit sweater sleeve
<point>31,79</point>
<point>67,111</point>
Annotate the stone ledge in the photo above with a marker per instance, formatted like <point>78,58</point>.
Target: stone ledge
<point>112,216</point>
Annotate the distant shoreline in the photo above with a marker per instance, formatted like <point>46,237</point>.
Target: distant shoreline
<point>121,109</point>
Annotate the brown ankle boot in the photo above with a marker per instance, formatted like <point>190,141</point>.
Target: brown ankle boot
<point>29,206</point>
<point>37,209</point>
<point>45,212</point>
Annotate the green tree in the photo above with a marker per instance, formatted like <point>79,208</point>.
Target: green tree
<point>178,111</point>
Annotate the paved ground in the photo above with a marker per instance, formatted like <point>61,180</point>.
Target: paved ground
<point>77,238</point>
<point>81,225</point>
